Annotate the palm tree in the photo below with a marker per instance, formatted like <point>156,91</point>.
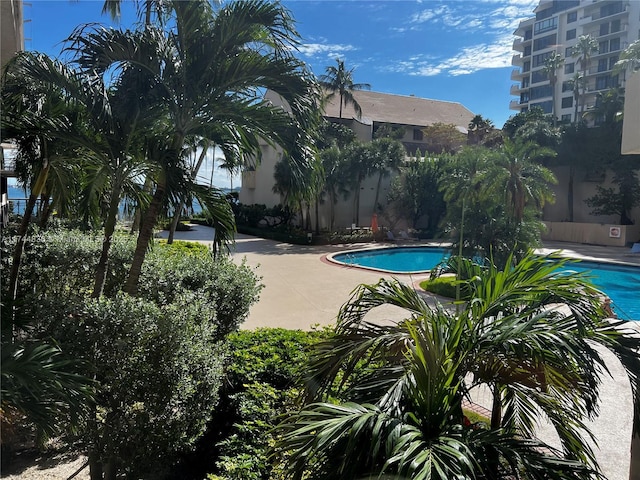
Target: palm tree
<point>387,156</point>
<point>629,58</point>
<point>388,398</point>
<point>578,83</point>
<point>551,67</point>
<point>358,159</point>
<point>340,80</point>
<point>209,76</point>
<point>582,52</point>
<point>518,177</point>
<point>479,129</point>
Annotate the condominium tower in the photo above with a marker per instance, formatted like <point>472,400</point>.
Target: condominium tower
<point>556,28</point>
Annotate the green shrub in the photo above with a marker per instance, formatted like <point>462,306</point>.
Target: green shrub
<point>444,286</point>
<point>158,371</point>
<point>262,371</point>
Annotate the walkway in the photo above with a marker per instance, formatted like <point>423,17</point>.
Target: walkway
<point>302,291</point>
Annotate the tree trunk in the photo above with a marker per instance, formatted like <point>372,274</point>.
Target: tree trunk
<point>634,464</point>
<point>570,192</point>
<point>317,208</point>
<point>174,223</point>
<point>22,237</point>
<point>194,173</point>
<point>144,239</point>
<point>375,202</point>
<point>109,228</point>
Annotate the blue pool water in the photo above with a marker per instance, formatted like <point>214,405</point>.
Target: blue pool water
<point>620,282</point>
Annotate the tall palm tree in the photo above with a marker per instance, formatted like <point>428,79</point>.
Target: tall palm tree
<point>551,67</point>
<point>387,156</point>
<point>358,159</point>
<point>388,398</point>
<point>209,76</point>
<point>578,83</point>
<point>518,177</point>
<point>582,51</point>
<point>340,80</point>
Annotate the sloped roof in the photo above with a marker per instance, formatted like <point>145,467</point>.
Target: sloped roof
<point>401,109</point>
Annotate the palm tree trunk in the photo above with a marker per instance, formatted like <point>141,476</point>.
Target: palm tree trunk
<point>570,193</point>
<point>375,202</point>
<point>22,236</point>
<point>109,228</point>
<point>174,223</point>
<point>634,466</point>
<point>194,172</point>
<point>144,239</point>
<point>317,222</point>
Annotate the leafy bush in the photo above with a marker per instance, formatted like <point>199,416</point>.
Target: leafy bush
<point>157,359</point>
<point>158,371</point>
<point>261,384</point>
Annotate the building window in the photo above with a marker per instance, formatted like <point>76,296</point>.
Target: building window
<point>525,82</point>
<point>614,44</point>
<point>567,86</point>
<point>538,60</point>
<point>611,9</point>
<point>418,134</point>
<point>571,34</point>
<point>615,26</point>
<point>602,65</point>
<point>569,67</point>
<point>544,42</point>
<point>568,52</point>
<point>545,106</point>
<point>545,25</point>
<point>540,92</point>
<point>526,66</point>
<point>527,51</point>
<point>528,35</point>
<point>604,29</point>
<point>538,76</point>
<point>572,17</point>
<point>566,118</point>
<point>612,61</point>
<point>603,47</point>
<point>567,102</point>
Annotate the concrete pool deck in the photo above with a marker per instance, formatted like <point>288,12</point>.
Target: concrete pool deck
<point>302,291</point>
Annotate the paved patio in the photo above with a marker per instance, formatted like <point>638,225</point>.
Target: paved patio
<point>302,291</point>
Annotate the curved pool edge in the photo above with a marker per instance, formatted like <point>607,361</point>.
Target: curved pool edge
<point>331,260</point>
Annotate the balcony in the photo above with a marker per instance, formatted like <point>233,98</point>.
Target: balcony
<point>516,89</point>
<point>515,105</point>
<point>516,60</point>
<point>516,74</point>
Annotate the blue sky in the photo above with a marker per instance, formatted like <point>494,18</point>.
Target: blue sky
<point>453,50</point>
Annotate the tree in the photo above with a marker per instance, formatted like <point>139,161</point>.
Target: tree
<point>620,201</point>
<point>443,138</point>
<point>582,51</point>
<point>629,58</point>
<point>388,398</point>
<point>551,67</point>
<point>415,193</point>
<point>340,80</point>
<point>234,53</point>
<point>481,131</point>
<point>519,179</point>
<point>358,160</point>
<point>578,83</point>
<point>386,156</point>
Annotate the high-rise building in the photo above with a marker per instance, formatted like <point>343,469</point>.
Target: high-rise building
<point>557,28</point>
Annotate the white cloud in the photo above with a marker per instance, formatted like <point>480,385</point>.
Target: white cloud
<point>484,18</point>
<point>324,49</point>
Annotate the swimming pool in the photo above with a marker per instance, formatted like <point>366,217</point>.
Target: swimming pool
<point>620,282</point>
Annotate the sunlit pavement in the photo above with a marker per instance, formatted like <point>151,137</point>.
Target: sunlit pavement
<point>302,290</point>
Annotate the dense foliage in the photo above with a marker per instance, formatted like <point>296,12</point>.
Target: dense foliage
<point>155,362</point>
<point>526,336</point>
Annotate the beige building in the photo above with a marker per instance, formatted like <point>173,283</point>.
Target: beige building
<point>556,28</point>
<point>411,113</point>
